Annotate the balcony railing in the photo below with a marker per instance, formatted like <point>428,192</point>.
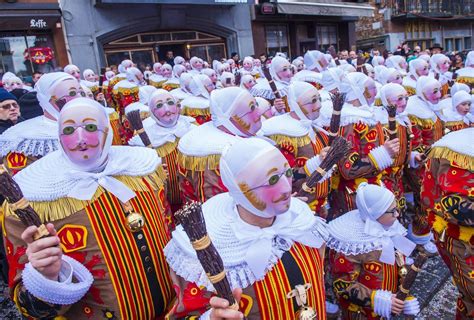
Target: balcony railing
<point>433,8</point>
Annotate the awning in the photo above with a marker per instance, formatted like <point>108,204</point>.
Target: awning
<point>324,8</point>
<point>11,20</point>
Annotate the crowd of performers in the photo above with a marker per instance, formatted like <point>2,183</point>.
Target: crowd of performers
<point>110,162</point>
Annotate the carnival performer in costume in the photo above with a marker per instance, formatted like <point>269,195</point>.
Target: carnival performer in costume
<point>173,82</point>
<point>196,105</point>
<point>456,117</point>
<point>135,76</point>
<point>439,69</point>
<point>368,250</point>
<point>280,70</point>
<point>466,74</point>
<point>182,92</point>
<point>226,79</point>
<point>427,129</point>
<point>32,139</point>
<point>234,114</point>
<point>418,68</point>
<point>165,128</point>
<point>196,65</point>
<point>301,141</point>
<point>395,95</point>
<point>212,74</point>
<point>447,191</point>
<point>247,66</point>
<point>397,62</point>
<point>104,207</point>
<point>269,241</point>
<point>315,63</point>
<point>74,71</point>
<point>370,153</point>
<point>156,79</point>
<point>247,82</point>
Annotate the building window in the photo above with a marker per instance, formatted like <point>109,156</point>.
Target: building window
<point>22,53</point>
<point>208,51</point>
<point>457,44</point>
<point>277,39</point>
<point>326,36</point>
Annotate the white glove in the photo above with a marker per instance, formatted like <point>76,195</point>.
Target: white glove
<point>411,307</point>
<point>383,303</point>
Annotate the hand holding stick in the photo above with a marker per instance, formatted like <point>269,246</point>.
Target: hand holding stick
<point>192,220</point>
<point>340,147</point>
<point>11,191</point>
<point>271,83</point>
<point>392,122</point>
<point>137,125</point>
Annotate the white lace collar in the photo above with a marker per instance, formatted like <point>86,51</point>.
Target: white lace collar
<point>466,72</point>
<point>458,141</point>
<point>351,115</point>
<point>57,178</point>
<point>449,114</point>
<point>348,235</point>
<point>262,89</point>
<point>223,223</point>
<point>34,137</point>
<point>205,140</point>
<point>160,135</point>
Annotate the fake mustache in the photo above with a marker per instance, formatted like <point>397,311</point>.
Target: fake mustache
<point>83,146</point>
<point>283,197</point>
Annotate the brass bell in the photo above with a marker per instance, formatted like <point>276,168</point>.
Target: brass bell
<point>135,221</point>
<point>402,272</point>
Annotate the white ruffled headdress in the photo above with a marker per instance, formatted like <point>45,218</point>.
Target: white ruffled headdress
<point>44,88</point>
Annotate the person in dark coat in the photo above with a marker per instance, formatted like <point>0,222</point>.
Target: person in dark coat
<point>9,110</point>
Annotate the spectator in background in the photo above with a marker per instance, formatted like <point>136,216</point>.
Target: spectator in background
<point>457,62</point>
<point>9,110</point>
<point>436,48</point>
<point>235,56</point>
<point>170,58</point>
<point>343,55</point>
<point>36,76</point>
<point>29,104</point>
<point>416,51</point>
<point>263,58</point>
<point>114,68</point>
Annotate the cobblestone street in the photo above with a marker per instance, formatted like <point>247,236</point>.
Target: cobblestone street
<point>433,288</point>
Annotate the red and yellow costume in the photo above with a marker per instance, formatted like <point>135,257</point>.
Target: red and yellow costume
<point>448,194</point>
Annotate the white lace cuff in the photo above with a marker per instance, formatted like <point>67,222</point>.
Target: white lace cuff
<point>413,163</point>
<point>313,163</point>
<point>62,292</point>
<point>383,303</point>
<point>411,307</point>
<point>381,157</point>
<point>206,315</point>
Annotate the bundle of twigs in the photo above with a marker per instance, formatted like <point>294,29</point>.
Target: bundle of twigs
<point>137,125</point>
<point>337,103</point>
<point>192,220</point>
<point>271,83</point>
<point>405,286</point>
<point>392,122</point>
<point>11,191</point>
<point>340,147</point>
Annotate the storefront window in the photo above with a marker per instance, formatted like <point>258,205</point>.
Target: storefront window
<point>277,39</point>
<point>23,54</point>
<point>326,36</point>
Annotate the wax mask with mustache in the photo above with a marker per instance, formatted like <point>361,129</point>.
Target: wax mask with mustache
<point>370,91</point>
<point>248,64</point>
<point>258,177</point>
<point>443,65</point>
<point>164,108</point>
<point>246,115</point>
<point>84,133</point>
<point>394,95</point>
<point>395,77</point>
<point>310,103</point>
<point>65,91</point>
<point>432,92</point>
<point>423,69</point>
